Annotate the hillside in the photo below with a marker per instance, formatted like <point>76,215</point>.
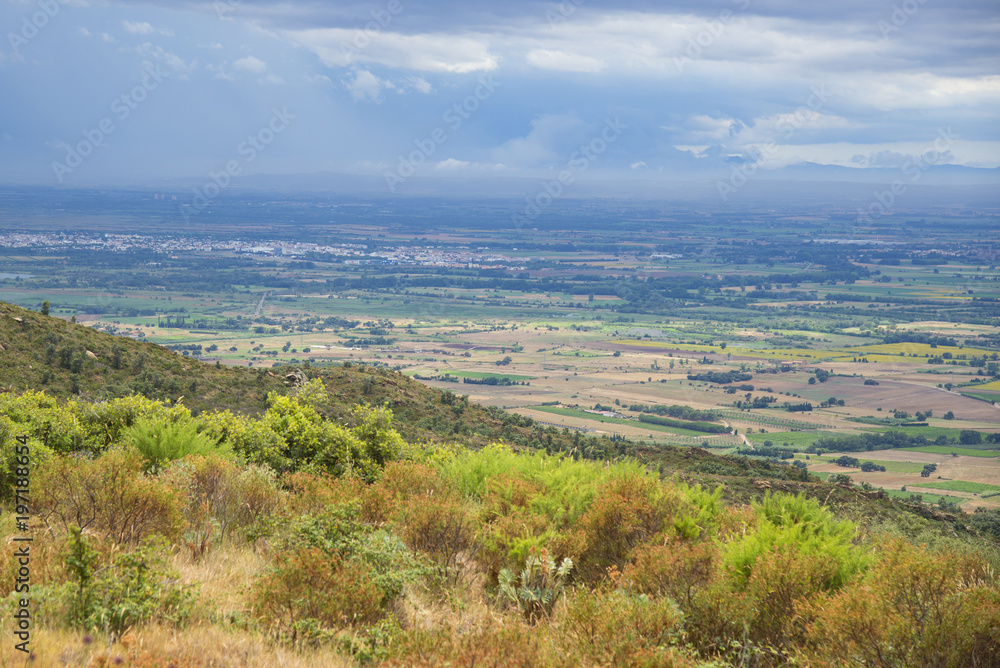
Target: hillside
<point>302,529</point>
<point>67,360</point>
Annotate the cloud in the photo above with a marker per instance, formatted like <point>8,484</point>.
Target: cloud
<point>366,86</point>
<point>250,64</point>
<point>561,61</point>
<point>420,85</point>
<point>639,165</point>
<point>425,52</point>
<point>465,166</point>
<point>271,79</point>
<point>138,28</point>
<point>552,139</point>
<point>451,165</point>
<point>83,31</point>
<point>170,59</point>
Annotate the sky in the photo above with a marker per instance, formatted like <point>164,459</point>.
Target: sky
<point>102,91</point>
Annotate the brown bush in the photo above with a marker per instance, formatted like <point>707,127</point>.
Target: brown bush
<point>108,495</point>
<point>306,585</point>
<point>613,627</point>
<point>677,570</point>
<point>311,493</point>
<point>223,496</point>
<point>627,512</point>
<point>916,607</point>
<point>440,527</point>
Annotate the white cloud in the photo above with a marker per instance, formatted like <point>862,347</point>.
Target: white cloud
<point>365,86</point>
<point>271,79</point>
<point>250,64</point>
<point>552,139</point>
<point>83,31</point>
<point>639,165</point>
<point>451,165</point>
<point>337,47</point>
<point>107,38</point>
<point>561,61</point>
<point>172,60</point>
<point>138,27</point>
<point>420,85</point>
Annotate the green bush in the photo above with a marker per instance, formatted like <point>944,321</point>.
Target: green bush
<point>136,587</point>
<point>162,441</point>
<point>797,524</point>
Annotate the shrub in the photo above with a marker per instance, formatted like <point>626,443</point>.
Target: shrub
<point>440,527</point>
<point>627,511</point>
<point>134,588</point>
<point>676,570</point>
<point>108,495</point>
<point>308,592</point>
<point>618,628</point>
<point>796,523</point>
<point>162,441</point>
<point>917,607</point>
<point>222,496</point>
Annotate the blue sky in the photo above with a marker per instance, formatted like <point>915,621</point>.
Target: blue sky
<point>157,90</point>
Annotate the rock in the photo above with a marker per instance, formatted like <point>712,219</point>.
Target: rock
<point>295,379</point>
<point>90,354</point>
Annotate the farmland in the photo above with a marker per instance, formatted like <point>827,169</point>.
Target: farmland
<point>890,332</point>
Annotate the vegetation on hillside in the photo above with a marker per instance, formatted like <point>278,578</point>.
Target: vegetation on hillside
<point>339,542</point>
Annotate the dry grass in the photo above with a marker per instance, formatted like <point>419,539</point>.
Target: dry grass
<point>194,647</point>
<point>223,576</point>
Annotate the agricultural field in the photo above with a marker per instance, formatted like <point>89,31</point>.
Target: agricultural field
<point>786,340</point>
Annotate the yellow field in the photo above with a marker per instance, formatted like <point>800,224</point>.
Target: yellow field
<point>769,354</point>
<point>919,349</point>
<point>995,386</point>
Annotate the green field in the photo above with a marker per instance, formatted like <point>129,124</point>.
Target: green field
<point>793,438</point>
<point>583,415</point>
<point>960,486</point>
<point>890,466</point>
<point>947,450</point>
<point>929,432</point>
<point>927,498</point>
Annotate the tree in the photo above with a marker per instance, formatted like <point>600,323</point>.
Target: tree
<point>949,416</point>
<point>970,437</point>
<point>45,307</point>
